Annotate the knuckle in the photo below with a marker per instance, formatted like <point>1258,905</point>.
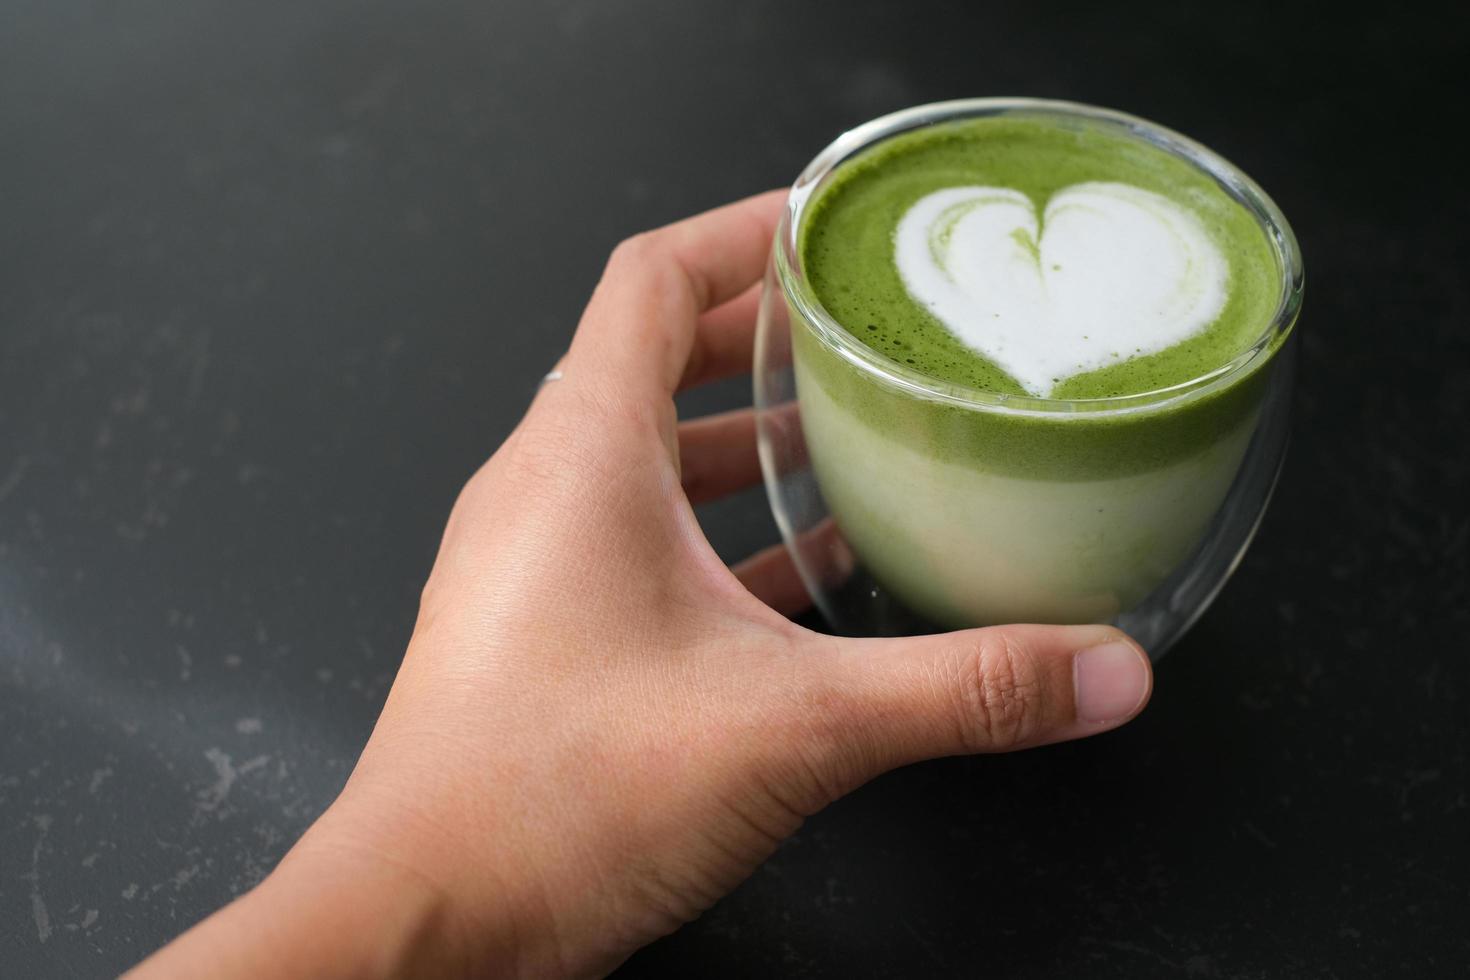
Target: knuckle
<point>553,450</point>
<point>429,604</point>
<point>634,250</point>
<point>658,258</point>
<point>812,756</point>
<point>999,693</point>
<point>824,755</point>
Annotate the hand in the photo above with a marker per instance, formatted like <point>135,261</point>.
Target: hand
<point>598,728</point>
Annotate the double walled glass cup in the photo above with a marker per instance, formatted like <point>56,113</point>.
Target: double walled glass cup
<point>911,504</point>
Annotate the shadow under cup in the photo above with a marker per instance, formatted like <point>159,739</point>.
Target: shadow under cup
<point>912,505</point>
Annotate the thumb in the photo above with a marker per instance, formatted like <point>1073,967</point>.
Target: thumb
<point>984,690</point>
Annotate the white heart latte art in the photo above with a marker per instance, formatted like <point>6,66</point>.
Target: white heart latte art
<point>1110,272</point>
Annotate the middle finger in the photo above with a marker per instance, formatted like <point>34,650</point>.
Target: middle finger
<point>717,455</point>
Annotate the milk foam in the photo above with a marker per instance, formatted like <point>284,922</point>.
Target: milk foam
<point>1110,272</point>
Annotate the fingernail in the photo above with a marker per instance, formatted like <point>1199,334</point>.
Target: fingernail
<point>843,562</point>
<point>1110,682</point>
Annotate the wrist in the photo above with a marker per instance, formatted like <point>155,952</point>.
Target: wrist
<point>341,905</point>
<point>452,896</point>
<point>416,902</point>
<point>355,912</point>
<point>323,912</point>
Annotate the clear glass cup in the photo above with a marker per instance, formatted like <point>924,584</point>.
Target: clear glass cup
<point>999,539</point>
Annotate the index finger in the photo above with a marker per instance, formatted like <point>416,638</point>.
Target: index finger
<point>639,329</point>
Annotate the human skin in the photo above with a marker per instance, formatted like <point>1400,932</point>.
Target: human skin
<point>598,729</point>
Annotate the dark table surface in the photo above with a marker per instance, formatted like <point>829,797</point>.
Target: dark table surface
<point>276,276</point>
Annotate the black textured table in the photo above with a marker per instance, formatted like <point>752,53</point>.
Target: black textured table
<point>276,276</point>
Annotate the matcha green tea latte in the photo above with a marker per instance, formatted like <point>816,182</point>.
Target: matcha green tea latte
<point>1031,344</point>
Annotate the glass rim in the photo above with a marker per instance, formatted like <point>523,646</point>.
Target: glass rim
<point>1233,181</point>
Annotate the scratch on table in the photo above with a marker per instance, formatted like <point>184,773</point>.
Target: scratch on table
<point>99,776</point>
<point>1142,950</point>
<point>225,772</point>
<point>1258,834</point>
<point>924,944</point>
<point>39,913</point>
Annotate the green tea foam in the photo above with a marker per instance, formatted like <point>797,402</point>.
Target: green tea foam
<point>1027,205</point>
